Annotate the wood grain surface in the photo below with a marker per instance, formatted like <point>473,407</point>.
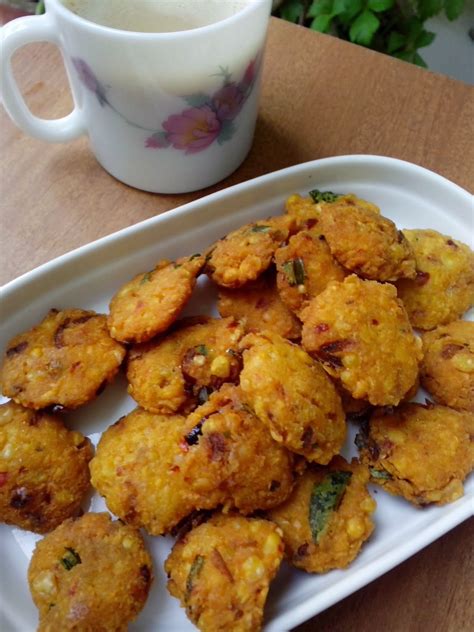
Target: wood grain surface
<point>321,97</point>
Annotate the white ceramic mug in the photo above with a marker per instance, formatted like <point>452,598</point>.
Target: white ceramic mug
<point>165,112</point>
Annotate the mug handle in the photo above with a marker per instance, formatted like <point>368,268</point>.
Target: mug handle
<point>16,34</point>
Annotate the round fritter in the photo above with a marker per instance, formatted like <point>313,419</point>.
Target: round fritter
<point>293,396</point>
<point>447,370</point>
<point>244,254</point>
<point>444,285</point>
<point>91,573</point>
<point>306,210</point>
<point>230,449</point>
<point>328,516</point>
<point>138,470</point>
<point>420,452</point>
<point>259,306</point>
<point>305,267</point>
<point>151,302</point>
<point>361,334</point>
<point>367,243</point>
<point>66,360</point>
<point>178,371</point>
<point>44,471</point>
<point>221,572</point>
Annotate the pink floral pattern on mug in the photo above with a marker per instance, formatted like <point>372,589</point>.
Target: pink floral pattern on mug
<point>208,118</point>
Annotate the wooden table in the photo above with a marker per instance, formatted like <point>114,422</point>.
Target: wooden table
<point>321,97</point>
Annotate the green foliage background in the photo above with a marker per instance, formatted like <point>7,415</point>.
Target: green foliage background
<point>395,27</point>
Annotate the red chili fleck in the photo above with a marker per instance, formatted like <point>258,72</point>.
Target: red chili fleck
<point>321,328</point>
<point>375,321</point>
<point>3,478</point>
<point>184,446</point>
<point>422,277</point>
<point>451,243</point>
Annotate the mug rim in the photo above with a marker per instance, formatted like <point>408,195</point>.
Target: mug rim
<point>110,31</point>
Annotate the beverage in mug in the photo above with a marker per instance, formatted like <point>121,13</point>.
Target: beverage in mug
<point>166,91</point>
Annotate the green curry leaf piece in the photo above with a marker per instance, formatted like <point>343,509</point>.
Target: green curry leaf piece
<point>70,559</point>
<point>324,196</point>
<point>325,498</point>
<point>380,474</point>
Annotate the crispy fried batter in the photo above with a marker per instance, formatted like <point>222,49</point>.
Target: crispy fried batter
<point>293,396</point>
<point>420,452</point>
<point>138,469</point>
<point>66,360</point>
<point>90,574</point>
<point>447,370</point>
<point>259,306</point>
<point>230,449</point>
<point>305,267</point>
<point>444,285</point>
<point>178,371</point>
<point>367,243</point>
<point>150,303</point>
<point>244,254</point>
<point>360,332</point>
<point>221,572</point>
<point>307,212</point>
<point>325,526</point>
<point>44,471</point>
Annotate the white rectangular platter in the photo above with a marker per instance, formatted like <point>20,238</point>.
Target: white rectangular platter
<point>410,195</point>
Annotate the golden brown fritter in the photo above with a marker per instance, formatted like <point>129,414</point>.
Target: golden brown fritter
<point>292,396</point>
<point>245,253</point>
<point>221,572</point>
<point>328,517</point>
<point>259,306</point>
<point>367,243</point>
<point>90,574</point>
<point>66,360</point>
<point>138,469</point>
<point>306,210</point>
<point>230,449</point>
<point>361,334</point>
<point>354,409</point>
<point>420,452</point>
<point>151,302</point>
<point>178,371</point>
<point>44,471</point>
<point>447,370</point>
<point>444,285</point>
<point>305,267</point>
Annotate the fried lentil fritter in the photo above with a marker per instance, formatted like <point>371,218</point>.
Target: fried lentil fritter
<point>245,253</point>
<point>221,572</point>
<point>151,302</point>
<point>420,452</point>
<point>90,574</point>
<point>328,516</point>
<point>307,210</point>
<point>305,267</point>
<point>447,370</point>
<point>138,470</point>
<point>361,334</point>
<point>367,243</point>
<point>230,449</point>
<point>178,371</point>
<point>259,306</point>
<point>292,396</point>
<point>44,471</point>
<point>66,360</point>
<point>444,285</point>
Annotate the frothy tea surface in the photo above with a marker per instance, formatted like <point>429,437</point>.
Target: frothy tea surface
<point>155,16</point>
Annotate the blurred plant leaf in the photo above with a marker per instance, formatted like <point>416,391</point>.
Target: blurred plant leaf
<point>453,8</point>
<point>292,10</point>
<point>321,23</point>
<point>380,5</point>
<point>364,28</point>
